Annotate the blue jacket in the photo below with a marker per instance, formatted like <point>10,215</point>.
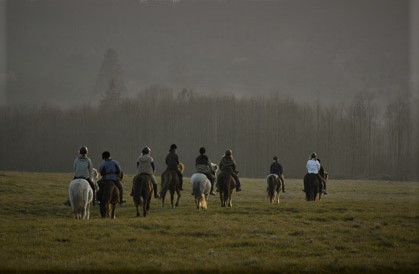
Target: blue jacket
<point>110,170</point>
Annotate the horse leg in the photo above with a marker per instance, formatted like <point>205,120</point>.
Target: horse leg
<point>178,198</point>
<point>222,199</point>
<point>138,213</point>
<point>112,211</point>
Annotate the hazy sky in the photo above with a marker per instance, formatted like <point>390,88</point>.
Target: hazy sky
<point>303,48</point>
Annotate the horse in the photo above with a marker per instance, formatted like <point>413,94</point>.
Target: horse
<point>80,195</point>
<point>201,188</point>
<point>170,182</point>
<point>226,185</point>
<point>142,191</point>
<point>274,188</point>
<point>312,186</point>
<point>108,197</point>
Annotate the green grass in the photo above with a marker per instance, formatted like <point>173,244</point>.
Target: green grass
<point>361,226</point>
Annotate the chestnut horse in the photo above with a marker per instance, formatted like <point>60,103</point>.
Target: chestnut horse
<point>226,184</point>
<point>170,182</point>
<point>142,191</point>
<point>108,197</point>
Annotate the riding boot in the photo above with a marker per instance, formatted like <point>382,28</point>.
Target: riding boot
<point>283,186</point>
<point>156,194</point>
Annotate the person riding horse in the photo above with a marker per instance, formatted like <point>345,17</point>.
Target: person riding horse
<point>145,165</point>
<point>203,165</point>
<point>276,168</point>
<point>313,166</point>
<point>228,164</point>
<point>111,170</point>
<point>172,162</point>
<point>83,169</point>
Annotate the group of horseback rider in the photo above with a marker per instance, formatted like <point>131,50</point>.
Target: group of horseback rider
<point>110,169</point>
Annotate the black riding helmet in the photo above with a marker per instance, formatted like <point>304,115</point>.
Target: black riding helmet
<point>173,147</point>
<point>83,150</point>
<point>313,155</point>
<point>106,155</point>
<point>202,150</point>
<point>229,152</point>
<point>146,150</point>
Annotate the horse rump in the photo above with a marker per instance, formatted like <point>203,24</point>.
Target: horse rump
<point>201,187</point>
<point>273,187</point>
<point>108,196</point>
<point>142,189</point>
<point>311,186</point>
<point>80,195</point>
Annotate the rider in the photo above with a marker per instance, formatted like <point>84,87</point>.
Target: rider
<point>145,165</point>
<point>111,170</point>
<point>313,166</point>
<point>276,168</point>
<point>323,176</point>
<point>83,169</point>
<point>203,165</point>
<point>228,164</point>
<point>172,162</point>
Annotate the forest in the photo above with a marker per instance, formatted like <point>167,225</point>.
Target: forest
<point>359,139</point>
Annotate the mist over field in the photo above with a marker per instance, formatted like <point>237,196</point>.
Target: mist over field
<point>263,78</point>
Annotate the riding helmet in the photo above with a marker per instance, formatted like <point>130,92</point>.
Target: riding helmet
<point>275,158</point>
<point>83,150</point>
<point>106,155</point>
<point>202,150</point>
<point>313,155</point>
<point>229,152</point>
<point>173,147</point>
<point>146,150</point>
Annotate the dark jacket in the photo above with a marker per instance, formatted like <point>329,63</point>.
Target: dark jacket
<point>172,160</point>
<point>276,168</point>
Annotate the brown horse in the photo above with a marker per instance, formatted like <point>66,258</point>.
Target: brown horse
<point>274,188</point>
<point>142,191</point>
<point>226,184</point>
<point>108,197</point>
<point>312,186</point>
<point>170,182</point>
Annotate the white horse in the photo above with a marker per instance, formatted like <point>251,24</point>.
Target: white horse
<point>201,187</point>
<point>80,195</point>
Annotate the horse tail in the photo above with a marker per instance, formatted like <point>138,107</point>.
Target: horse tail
<point>196,189</point>
<point>165,181</point>
<point>138,190</point>
<point>271,185</point>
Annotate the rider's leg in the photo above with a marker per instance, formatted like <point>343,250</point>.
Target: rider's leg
<point>281,177</point>
<point>121,191</point>
<point>236,178</point>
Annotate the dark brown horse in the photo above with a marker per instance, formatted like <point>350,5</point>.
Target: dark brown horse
<point>226,184</point>
<point>274,188</point>
<point>142,190</point>
<point>170,182</point>
<point>312,186</point>
<point>108,197</point>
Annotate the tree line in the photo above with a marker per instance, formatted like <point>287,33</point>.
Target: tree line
<point>362,139</point>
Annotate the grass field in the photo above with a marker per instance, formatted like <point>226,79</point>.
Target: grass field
<point>361,226</point>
